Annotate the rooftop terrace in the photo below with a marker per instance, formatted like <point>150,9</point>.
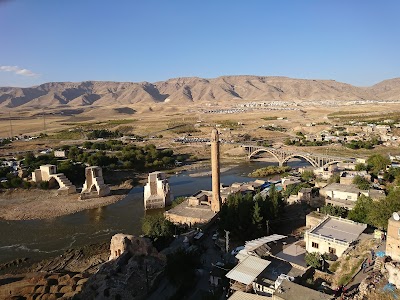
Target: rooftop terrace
<point>339,229</point>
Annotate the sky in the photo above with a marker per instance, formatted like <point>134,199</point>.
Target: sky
<point>355,41</point>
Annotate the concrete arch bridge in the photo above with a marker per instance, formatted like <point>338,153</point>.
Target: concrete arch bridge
<point>283,156</point>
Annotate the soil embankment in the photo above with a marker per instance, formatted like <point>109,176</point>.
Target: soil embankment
<point>34,204</point>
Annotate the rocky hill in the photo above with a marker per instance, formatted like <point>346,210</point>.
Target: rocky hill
<point>185,91</point>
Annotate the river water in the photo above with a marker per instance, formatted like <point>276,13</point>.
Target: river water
<point>39,239</point>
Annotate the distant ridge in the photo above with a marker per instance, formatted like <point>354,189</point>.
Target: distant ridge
<point>187,90</point>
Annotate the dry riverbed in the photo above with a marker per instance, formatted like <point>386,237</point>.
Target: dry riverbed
<point>33,204</point>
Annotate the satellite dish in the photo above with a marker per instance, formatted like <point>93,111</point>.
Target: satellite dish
<point>396,216</point>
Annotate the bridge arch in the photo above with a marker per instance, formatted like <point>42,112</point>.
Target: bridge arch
<point>309,159</point>
<point>331,163</point>
<point>266,150</point>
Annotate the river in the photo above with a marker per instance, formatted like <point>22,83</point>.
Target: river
<point>39,239</point>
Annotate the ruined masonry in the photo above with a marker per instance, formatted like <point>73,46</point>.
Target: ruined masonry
<point>49,173</point>
<point>94,185</point>
<point>157,193</point>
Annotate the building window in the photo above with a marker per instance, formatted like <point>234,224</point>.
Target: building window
<point>332,250</point>
<point>315,245</point>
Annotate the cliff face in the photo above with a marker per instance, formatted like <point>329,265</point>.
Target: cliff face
<point>191,89</point>
<point>86,273</point>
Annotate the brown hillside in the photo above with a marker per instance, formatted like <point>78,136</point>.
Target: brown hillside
<point>184,91</point>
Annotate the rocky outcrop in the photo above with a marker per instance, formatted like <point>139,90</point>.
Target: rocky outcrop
<point>128,276</point>
<point>41,286</point>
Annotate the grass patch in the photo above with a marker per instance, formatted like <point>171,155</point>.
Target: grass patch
<point>100,124</point>
<point>66,135</point>
<point>229,124</point>
<point>333,267</point>
<point>270,170</point>
<point>269,118</point>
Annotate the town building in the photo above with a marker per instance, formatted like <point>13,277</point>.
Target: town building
<point>333,235</point>
<point>393,237</point>
<point>245,273</point>
<point>60,153</point>
<point>347,177</point>
<point>157,192</point>
<point>239,295</point>
<point>342,194</point>
<point>292,291</point>
<point>258,247</point>
<point>290,181</point>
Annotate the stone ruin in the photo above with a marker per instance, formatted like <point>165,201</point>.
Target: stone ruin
<point>132,271</point>
<point>157,192</point>
<point>393,273</point>
<point>94,185</point>
<point>49,173</point>
<point>125,243</point>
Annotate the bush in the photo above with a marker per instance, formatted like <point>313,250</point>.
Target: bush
<point>26,185</point>
<point>44,185</point>
<point>157,226</point>
<point>313,259</point>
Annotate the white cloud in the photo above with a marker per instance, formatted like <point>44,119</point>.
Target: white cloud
<point>18,70</point>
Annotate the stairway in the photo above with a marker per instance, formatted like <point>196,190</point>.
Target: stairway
<point>65,184</point>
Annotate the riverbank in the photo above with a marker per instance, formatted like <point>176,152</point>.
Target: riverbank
<point>34,204</point>
<point>208,173</point>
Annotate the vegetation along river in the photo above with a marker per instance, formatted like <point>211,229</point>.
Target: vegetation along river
<point>38,239</point>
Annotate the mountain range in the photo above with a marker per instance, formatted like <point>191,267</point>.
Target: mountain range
<point>191,90</point>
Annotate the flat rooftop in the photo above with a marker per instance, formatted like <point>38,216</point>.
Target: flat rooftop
<point>239,295</point>
<point>347,188</point>
<point>339,229</point>
<point>200,211</point>
<point>278,267</point>
<point>292,291</point>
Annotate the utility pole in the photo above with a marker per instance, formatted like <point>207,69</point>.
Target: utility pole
<point>227,241</point>
<point>11,130</point>
<point>267,227</point>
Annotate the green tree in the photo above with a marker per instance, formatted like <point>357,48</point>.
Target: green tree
<point>378,162</point>
<point>334,210</point>
<point>361,182</point>
<point>382,210</point>
<point>361,210</point>
<point>313,259</point>
<point>157,226</point>
<point>307,175</point>
<point>257,218</point>
<point>361,167</point>
<point>335,178</point>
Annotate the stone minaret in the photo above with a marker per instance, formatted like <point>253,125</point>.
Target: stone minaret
<point>216,200</point>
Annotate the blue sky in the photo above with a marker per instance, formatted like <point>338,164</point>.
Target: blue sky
<point>356,41</point>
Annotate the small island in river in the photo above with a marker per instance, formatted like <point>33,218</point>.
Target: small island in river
<point>270,170</point>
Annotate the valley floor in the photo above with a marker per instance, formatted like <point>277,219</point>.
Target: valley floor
<point>46,204</point>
